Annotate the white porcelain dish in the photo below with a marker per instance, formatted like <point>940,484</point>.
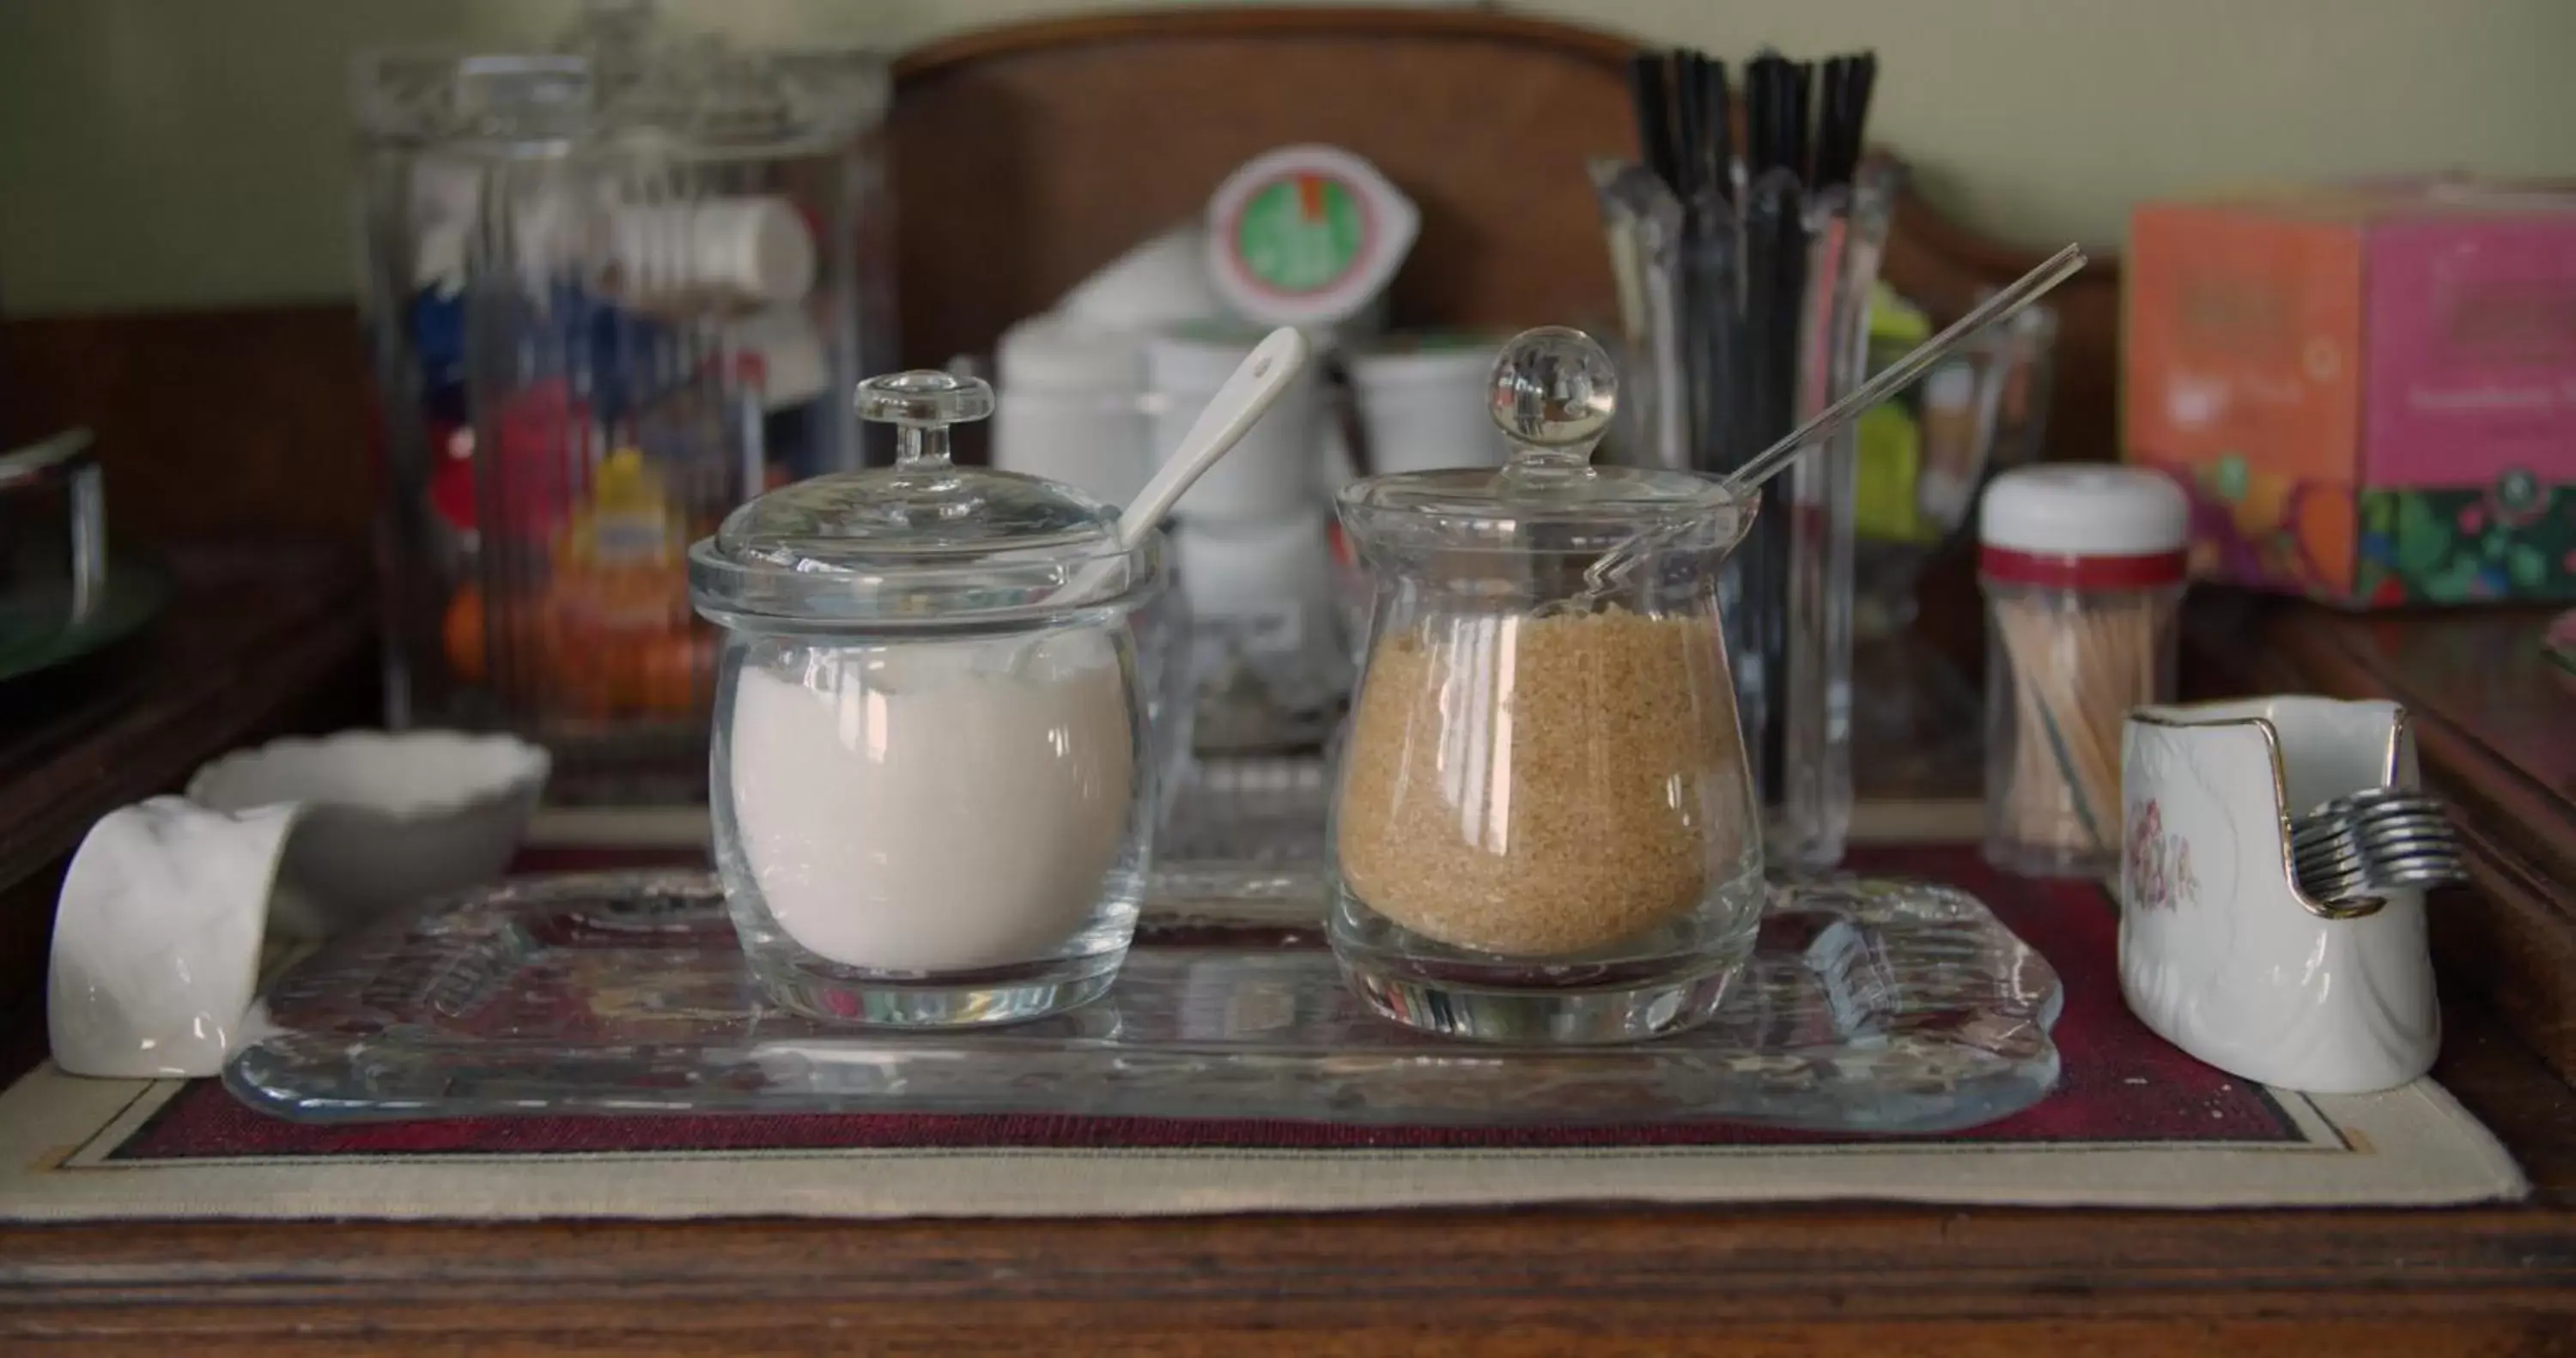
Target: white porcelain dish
<point>2221,952</point>
<point>388,818</point>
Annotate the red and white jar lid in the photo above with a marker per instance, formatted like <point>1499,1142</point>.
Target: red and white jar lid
<point>2083,526</point>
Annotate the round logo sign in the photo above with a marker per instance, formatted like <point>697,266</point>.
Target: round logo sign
<point>1301,234</point>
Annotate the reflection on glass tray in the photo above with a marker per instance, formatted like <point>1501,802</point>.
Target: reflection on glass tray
<point>1246,827</point>
<point>1870,1005</point>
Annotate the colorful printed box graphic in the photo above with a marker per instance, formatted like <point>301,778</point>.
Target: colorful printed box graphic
<point>2368,389</point>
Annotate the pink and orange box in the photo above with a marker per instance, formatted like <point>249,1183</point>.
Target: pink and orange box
<point>2368,389</point>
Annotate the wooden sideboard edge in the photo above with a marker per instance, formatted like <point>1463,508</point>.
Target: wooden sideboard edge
<point>947,55</point>
<point>1758,1243</point>
<point>2506,1321</point>
<point>1306,1271</point>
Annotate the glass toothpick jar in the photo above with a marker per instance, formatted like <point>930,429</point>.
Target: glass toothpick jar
<point>1544,827</point>
<point>932,776</point>
<point>2082,568</point>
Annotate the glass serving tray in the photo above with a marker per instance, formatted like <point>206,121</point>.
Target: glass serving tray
<point>1869,1005</point>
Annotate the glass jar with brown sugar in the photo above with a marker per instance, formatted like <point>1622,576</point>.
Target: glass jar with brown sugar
<point>1544,828</point>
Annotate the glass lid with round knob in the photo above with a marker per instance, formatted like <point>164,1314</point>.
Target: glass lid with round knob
<point>924,541</point>
<point>1554,394</point>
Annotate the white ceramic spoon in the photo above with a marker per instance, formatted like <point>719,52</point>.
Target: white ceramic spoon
<point>1230,414</point>
<point>1247,395</point>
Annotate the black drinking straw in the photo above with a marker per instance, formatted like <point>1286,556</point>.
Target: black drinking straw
<point>1842,125</point>
<point>1651,103</point>
<point>1856,110</point>
<point>1802,113</point>
<point>1720,111</point>
<point>1744,277</point>
<point>1831,88</point>
<point>1681,86</point>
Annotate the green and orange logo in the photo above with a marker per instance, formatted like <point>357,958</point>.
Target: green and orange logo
<point>1301,234</point>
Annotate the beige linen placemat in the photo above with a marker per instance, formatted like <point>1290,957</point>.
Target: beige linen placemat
<point>59,1135</point>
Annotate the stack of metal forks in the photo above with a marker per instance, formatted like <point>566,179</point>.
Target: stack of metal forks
<point>2350,851</point>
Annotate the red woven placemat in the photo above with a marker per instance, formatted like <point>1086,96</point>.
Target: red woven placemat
<point>2119,1082</point>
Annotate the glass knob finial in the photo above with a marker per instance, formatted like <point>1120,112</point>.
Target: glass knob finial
<point>1554,394</point>
<point>924,396</point>
<point>921,404</point>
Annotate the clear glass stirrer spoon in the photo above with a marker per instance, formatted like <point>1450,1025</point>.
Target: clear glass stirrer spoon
<point>1613,565</point>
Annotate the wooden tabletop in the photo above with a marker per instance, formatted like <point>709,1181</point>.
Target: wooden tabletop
<point>1817,1279</point>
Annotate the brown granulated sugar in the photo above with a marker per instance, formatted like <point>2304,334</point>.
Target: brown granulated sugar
<point>1541,786</point>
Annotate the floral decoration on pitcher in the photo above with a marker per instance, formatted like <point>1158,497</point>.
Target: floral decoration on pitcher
<point>2158,863</point>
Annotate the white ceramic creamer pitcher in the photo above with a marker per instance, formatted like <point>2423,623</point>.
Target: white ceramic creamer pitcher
<point>2220,952</point>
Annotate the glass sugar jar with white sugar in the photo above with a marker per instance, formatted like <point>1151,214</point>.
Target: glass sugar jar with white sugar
<point>933,772</point>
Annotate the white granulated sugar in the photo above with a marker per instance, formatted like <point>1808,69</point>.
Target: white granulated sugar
<point>934,807</point>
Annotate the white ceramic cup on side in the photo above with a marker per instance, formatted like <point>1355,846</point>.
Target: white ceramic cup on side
<point>157,938</point>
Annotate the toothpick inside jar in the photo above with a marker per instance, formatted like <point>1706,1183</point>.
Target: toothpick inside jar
<point>2083,569</point>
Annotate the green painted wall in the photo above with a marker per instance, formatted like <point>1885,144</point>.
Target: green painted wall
<point>159,153</point>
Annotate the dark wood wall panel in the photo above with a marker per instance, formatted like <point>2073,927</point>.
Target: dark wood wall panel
<point>210,423</point>
<point>1024,167</point>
